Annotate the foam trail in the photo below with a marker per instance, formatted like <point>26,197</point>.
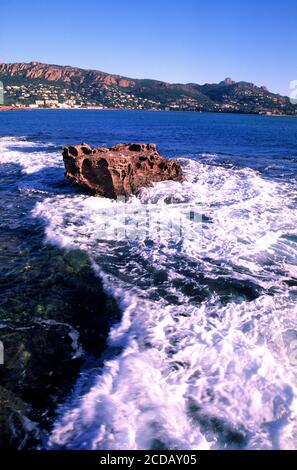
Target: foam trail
<point>190,374</point>
<point>201,357</point>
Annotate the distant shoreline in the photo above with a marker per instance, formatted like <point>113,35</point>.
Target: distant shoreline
<point>14,108</point>
<point>11,108</point>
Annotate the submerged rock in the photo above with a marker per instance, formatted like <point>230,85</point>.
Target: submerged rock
<point>120,170</point>
<point>53,315</point>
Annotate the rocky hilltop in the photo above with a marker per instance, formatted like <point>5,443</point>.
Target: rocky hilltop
<point>41,85</point>
<point>55,73</point>
<point>120,170</point>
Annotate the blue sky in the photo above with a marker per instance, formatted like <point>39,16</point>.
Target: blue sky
<point>171,40</point>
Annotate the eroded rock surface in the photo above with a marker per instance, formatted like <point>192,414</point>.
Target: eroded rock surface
<point>120,170</point>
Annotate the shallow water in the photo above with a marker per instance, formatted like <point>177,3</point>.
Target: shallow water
<point>204,273</point>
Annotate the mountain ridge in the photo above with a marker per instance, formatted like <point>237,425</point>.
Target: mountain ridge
<point>36,84</point>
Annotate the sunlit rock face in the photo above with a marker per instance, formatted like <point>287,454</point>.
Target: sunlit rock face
<point>120,170</point>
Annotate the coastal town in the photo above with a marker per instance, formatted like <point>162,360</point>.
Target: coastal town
<point>55,97</point>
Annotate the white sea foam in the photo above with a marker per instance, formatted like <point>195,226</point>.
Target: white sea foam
<point>30,162</point>
<point>201,356</point>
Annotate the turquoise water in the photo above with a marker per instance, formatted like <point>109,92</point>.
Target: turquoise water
<point>177,336</point>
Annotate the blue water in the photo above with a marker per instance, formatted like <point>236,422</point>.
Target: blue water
<point>203,354</point>
<point>254,141</point>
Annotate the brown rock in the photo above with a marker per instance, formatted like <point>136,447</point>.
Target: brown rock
<point>53,73</point>
<point>9,108</point>
<point>118,171</point>
<point>124,83</point>
<point>109,80</point>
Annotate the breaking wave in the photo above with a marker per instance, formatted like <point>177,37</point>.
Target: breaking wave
<point>205,275</point>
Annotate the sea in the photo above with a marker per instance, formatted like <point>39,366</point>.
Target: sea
<point>203,353</point>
